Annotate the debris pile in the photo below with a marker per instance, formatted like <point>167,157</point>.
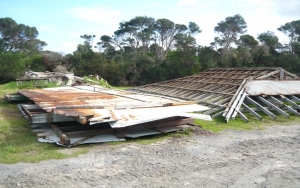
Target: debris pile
<point>76,115</point>
<point>66,78</point>
<point>90,114</point>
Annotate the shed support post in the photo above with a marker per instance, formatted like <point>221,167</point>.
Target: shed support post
<point>243,116</point>
<point>294,98</point>
<point>292,103</point>
<point>261,107</point>
<point>252,112</point>
<point>283,105</point>
<point>273,106</point>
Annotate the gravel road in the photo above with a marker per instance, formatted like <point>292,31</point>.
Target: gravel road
<point>258,158</point>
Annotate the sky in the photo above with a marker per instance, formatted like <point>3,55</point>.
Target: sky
<point>61,22</point>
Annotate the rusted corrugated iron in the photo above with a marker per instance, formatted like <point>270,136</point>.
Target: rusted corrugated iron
<point>94,104</point>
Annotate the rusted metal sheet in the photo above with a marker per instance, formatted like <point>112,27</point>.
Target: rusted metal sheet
<point>266,87</point>
<point>94,104</point>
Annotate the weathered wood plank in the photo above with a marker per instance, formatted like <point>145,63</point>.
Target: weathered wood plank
<point>64,139</point>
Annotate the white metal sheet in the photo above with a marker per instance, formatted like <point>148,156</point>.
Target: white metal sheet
<point>273,87</point>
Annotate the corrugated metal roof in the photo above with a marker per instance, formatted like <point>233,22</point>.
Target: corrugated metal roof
<point>267,87</point>
<point>95,104</point>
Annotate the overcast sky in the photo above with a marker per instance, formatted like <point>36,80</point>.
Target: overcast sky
<point>61,22</point>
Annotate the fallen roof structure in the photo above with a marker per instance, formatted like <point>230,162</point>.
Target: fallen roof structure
<point>92,114</point>
<point>229,91</point>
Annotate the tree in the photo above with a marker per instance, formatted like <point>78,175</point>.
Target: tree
<point>229,31</point>
<point>88,40</point>
<point>248,40</point>
<point>165,31</point>
<point>148,36</point>
<point>186,42</point>
<point>208,57</point>
<point>269,38</point>
<point>292,30</point>
<point>12,66</point>
<point>18,37</point>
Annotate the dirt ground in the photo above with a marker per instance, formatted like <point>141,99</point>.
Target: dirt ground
<point>259,158</point>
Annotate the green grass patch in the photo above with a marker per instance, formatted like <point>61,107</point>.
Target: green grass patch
<point>101,82</point>
<point>37,84</point>
<point>218,124</point>
<point>17,142</point>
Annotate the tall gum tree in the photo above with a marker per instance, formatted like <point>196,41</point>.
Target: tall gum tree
<point>18,37</point>
<point>292,30</point>
<point>229,30</point>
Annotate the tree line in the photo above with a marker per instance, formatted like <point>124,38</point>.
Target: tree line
<point>145,50</point>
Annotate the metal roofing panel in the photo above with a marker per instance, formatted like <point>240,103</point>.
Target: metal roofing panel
<point>119,108</point>
<point>273,87</point>
<point>145,132</point>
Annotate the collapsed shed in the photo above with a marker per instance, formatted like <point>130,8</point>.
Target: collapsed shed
<point>231,91</point>
<point>91,114</point>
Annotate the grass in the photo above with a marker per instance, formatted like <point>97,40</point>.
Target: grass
<point>218,124</point>
<point>17,142</point>
<point>35,84</point>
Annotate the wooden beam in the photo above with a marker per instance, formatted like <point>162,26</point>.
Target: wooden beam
<point>206,82</point>
<point>273,106</point>
<point>241,100</point>
<point>252,112</point>
<point>228,110</point>
<point>267,75</point>
<point>290,74</point>
<point>64,139</point>
<point>281,74</point>
<point>261,107</point>
<point>202,90</point>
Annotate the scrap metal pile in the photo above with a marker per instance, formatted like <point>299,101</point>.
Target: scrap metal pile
<point>76,115</point>
<point>231,91</point>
